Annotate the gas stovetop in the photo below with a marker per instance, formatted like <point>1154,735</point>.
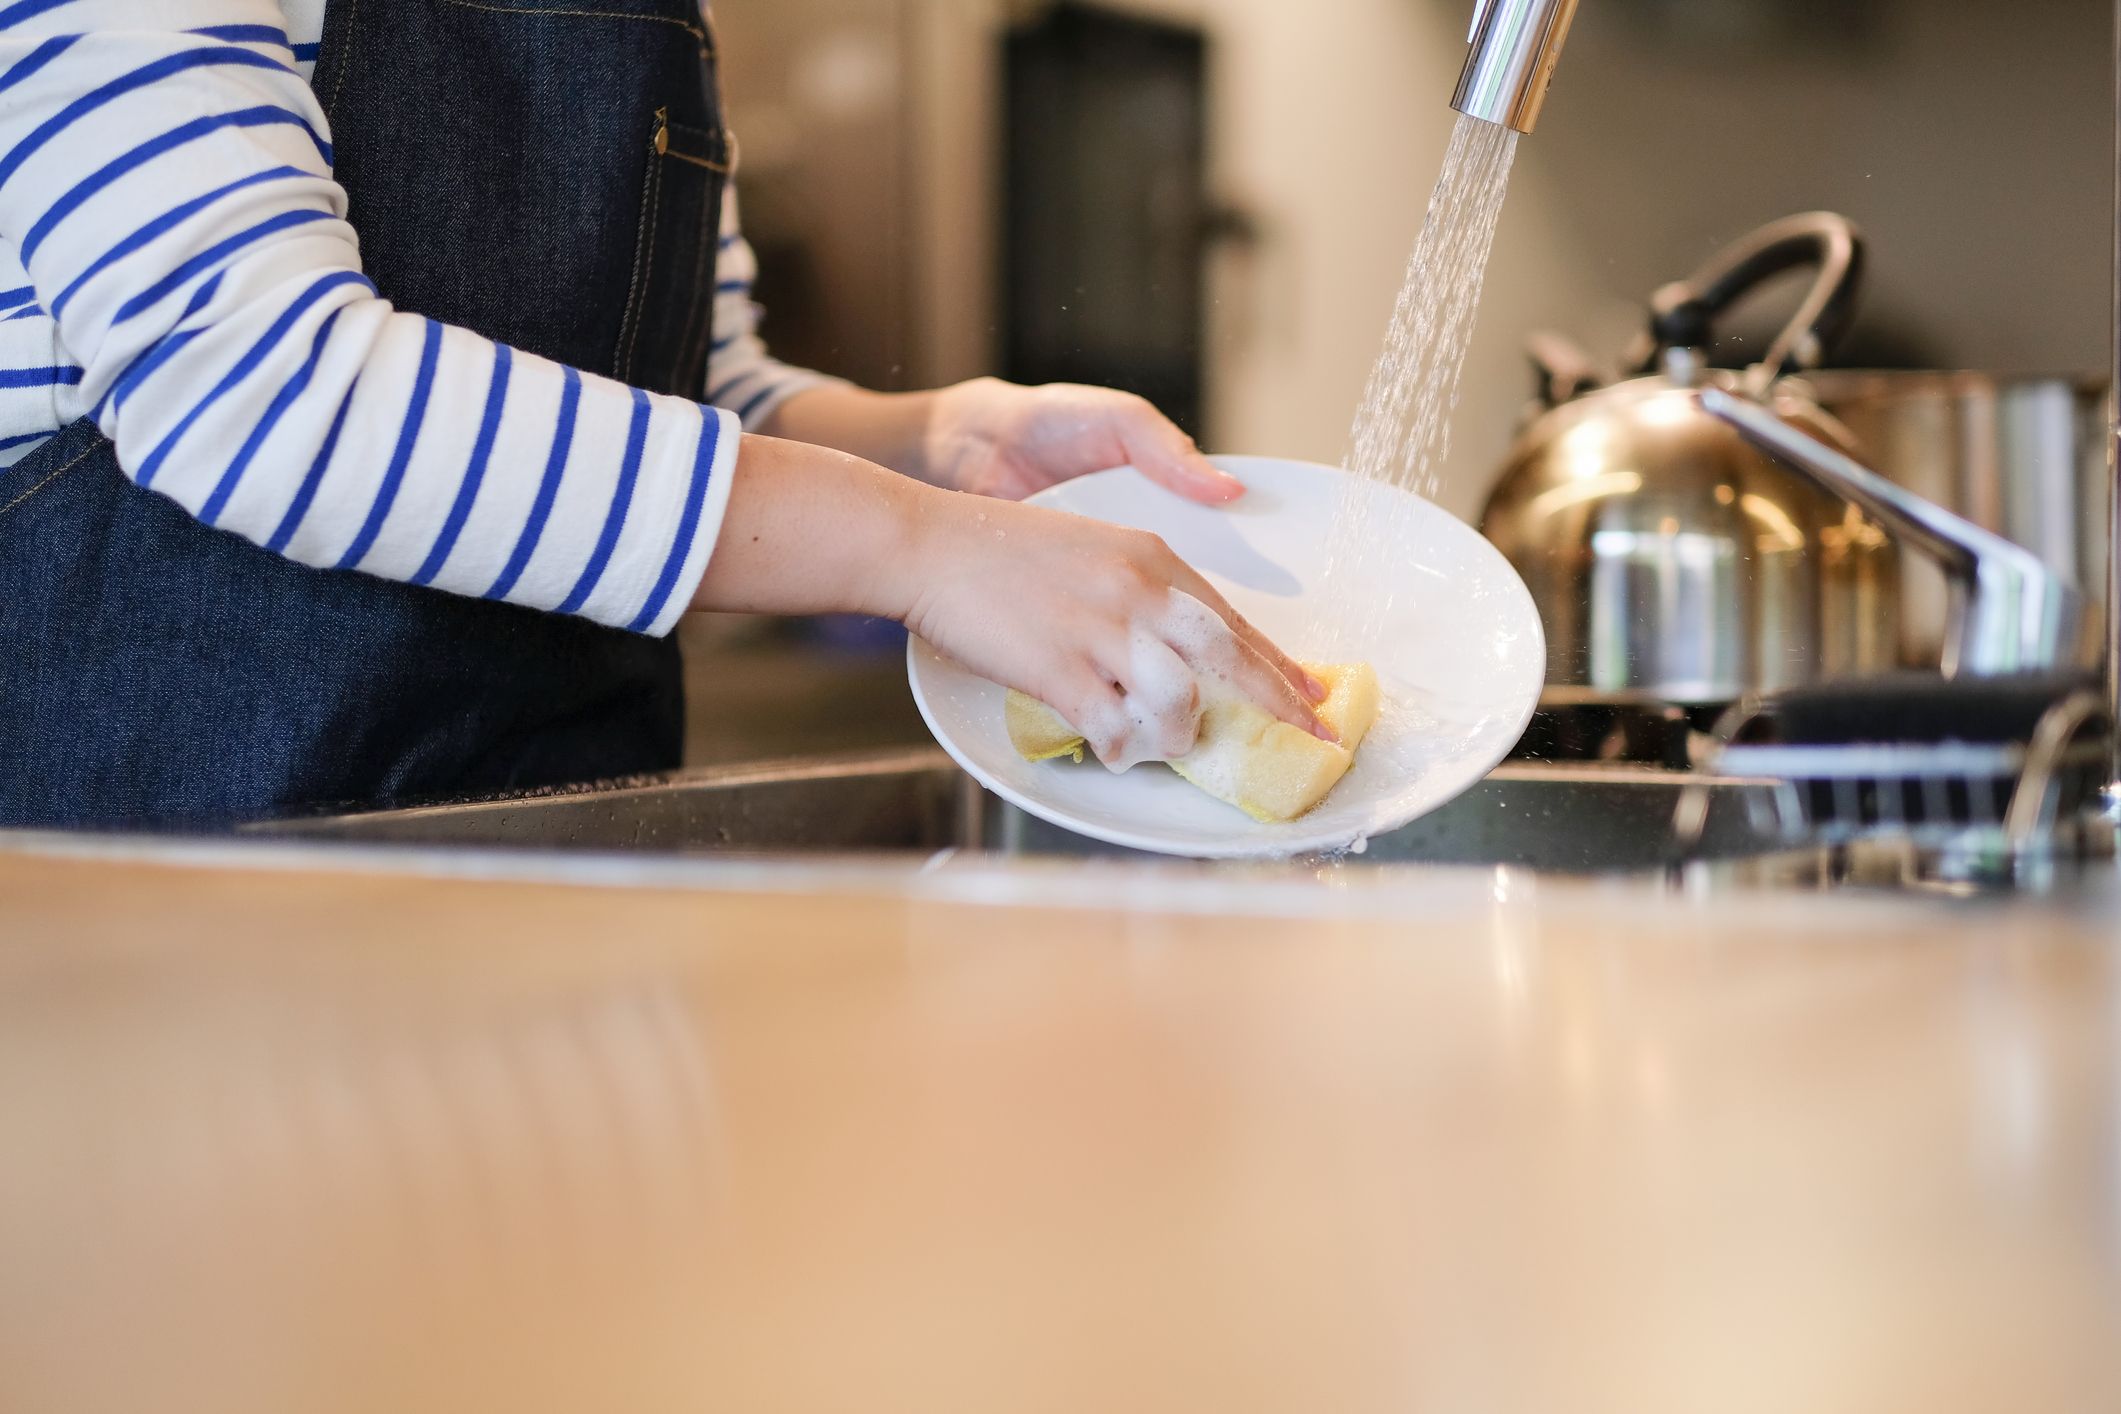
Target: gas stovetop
<point>1970,776</point>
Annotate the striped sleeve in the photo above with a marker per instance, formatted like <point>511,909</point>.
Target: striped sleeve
<point>165,181</point>
<point>742,377</point>
<point>39,381</point>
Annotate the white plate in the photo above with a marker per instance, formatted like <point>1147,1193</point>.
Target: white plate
<point>1457,647</point>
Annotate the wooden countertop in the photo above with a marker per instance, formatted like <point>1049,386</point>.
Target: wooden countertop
<point>281,1140</point>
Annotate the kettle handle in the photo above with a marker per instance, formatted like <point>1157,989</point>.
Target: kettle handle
<point>1684,315</point>
<point>1561,371</point>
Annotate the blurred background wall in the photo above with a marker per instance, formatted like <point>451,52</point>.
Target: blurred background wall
<point>1972,140</point>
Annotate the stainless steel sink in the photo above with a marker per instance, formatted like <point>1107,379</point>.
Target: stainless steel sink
<point>1578,819</point>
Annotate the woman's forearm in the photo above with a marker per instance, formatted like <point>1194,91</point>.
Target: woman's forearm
<point>889,429</point>
<point>811,530</point>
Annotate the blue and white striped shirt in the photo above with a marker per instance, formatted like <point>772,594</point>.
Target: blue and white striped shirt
<point>175,261</point>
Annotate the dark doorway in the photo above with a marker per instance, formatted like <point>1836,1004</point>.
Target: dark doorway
<point>1106,205</point>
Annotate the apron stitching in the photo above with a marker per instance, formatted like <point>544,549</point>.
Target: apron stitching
<point>651,206</point>
<point>338,87</point>
<point>693,30</point>
<point>721,167</point>
<point>692,340</point>
<point>84,456</point>
<point>691,344</point>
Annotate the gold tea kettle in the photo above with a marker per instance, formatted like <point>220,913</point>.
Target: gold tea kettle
<point>1693,536</point>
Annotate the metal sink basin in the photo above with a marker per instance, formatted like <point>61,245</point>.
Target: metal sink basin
<point>1575,819</point>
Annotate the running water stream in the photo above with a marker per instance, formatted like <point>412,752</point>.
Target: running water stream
<point>1403,430</point>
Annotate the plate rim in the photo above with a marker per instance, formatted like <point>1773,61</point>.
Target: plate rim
<point>1301,845</point>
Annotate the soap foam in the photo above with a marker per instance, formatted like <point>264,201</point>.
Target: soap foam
<point>1182,660</point>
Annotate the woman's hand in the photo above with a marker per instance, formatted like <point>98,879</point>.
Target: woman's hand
<point>1000,439</point>
<point>1103,624</point>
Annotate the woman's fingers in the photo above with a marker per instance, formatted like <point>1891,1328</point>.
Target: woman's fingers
<point>1094,706</point>
<point>1163,700</point>
<point>1299,677</point>
<point>1222,652</point>
<point>1168,456</point>
<point>1139,704</point>
<point>1264,683</point>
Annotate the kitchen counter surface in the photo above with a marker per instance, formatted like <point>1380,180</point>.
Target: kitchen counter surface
<point>950,1135</point>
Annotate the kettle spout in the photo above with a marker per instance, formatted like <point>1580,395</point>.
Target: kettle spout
<point>1516,47</point>
<point>2011,613</point>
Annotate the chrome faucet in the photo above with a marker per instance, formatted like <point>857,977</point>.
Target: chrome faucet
<point>1516,46</point>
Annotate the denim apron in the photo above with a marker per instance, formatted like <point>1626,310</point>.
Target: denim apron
<point>547,173</point>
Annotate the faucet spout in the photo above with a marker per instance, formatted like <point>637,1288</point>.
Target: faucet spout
<point>2011,614</point>
<point>1516,47</point>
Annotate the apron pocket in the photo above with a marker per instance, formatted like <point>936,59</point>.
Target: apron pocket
<point>677,12</point>
<point>670,312</point>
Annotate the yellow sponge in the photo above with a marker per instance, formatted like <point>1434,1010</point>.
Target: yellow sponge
<point>1039,733</point>
<point>1270,770</point>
